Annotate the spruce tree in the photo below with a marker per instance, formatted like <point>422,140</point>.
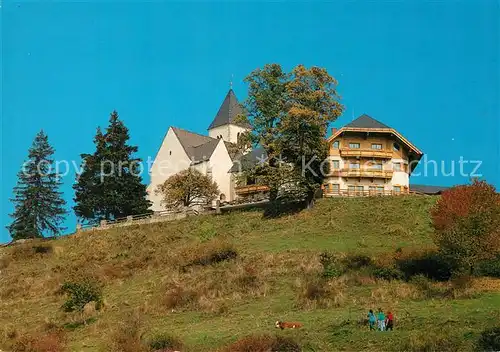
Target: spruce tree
<point>110,185</point>
<point>38,204</point>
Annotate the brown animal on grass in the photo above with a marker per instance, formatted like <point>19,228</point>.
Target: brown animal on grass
<point>288,325</point>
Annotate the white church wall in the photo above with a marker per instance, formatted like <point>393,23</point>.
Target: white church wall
<point>170,159</point>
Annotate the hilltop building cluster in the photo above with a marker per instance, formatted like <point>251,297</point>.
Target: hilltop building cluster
<point>366,157</point>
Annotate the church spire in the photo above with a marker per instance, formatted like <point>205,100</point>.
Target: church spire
<point>228,111</point>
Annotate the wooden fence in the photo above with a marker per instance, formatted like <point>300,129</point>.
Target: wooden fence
<point>158,216</point>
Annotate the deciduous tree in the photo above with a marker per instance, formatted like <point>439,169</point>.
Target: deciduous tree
<point>466,220</point>
<point>289,114</point>
<point>186,188</point>
<point>39,207</point>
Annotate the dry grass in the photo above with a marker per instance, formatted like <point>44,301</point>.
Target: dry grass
<point>263,343</point>
<point>127,335</point>
<point>319,293</point>
<point>141,266</point>
<point>49,342</point>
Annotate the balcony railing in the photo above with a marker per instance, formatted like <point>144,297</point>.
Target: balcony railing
<point>364,193</point>
<point>249,189</point>
<point>376,173</point>
<point>368,153</point>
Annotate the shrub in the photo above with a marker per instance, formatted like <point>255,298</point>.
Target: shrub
<point>387,273</point>
<point>355,262</point>
<point>127,336</point>
<point>331,265</point>
<point>210,253</point>
<point>51,342</point>
<point>489,340</point>
<point>285,344</point>
<point>263,343</point>
<point>178,297</point>
<point>425,287</point>
<point>164,341</point>
<point>81,293</point>
<point>489,267</point>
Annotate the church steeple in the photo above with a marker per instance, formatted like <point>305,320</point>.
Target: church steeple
<point>228,112</point>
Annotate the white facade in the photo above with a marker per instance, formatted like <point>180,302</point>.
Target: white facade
<point>229,132</point>
<point>399,178</point>
<point>170,159</point>
<point>183,149</point>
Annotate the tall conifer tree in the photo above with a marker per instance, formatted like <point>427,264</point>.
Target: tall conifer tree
<point>110,185</point>
<point>39,207</point>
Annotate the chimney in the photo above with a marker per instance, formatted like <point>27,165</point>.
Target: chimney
<point>334,130</point>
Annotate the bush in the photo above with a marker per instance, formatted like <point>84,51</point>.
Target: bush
<point>179,297</point>
<point>163,342</point>
<point>356,262</point>
<point>25,251</point>
<point>210,253</point>
<point>51,342</point>
<point>331,265</point>
<point>127,336</point>
<point>81,293</point>
<point>488,268</point>
<point>263,343</point>
<point>285,344</point>
<point>387,273</point>
<point>489,340</point>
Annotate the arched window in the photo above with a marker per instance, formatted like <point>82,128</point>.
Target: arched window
<point>336,145</point>
<point>395,146</point>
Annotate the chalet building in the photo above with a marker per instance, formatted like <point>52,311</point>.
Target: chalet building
<point>368,157</point>
<point>210,154</point>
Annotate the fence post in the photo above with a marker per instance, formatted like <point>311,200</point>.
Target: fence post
<point>78,227</point>
<point>217,207</point>
<point>130,218</point>
<point>103,223</point>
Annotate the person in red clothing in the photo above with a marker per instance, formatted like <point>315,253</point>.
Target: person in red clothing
<point>390,322</point>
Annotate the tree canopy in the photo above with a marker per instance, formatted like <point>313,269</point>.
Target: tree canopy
<point>289,114</point>
<point>186,188</point>
<point>466,220</point>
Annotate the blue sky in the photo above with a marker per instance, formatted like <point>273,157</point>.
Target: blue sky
<point>428,69</point>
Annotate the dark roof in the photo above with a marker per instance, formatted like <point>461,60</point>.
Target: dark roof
<point>425,189</point>
<point>365,121</point>
<point>249,160</point>
<point>197,147</point>
<point>228,112</point>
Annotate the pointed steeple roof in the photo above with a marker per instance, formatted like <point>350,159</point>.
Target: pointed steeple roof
<point>228,112</point>
<point>365,121</point>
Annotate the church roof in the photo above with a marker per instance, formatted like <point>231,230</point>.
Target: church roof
<point>365,121</point>
<point>228,112</point>
<point>198,147</point>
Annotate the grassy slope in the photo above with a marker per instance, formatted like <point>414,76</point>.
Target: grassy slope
<point>140,263</point>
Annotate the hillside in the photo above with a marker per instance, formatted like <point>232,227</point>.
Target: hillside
<point>160,278</point>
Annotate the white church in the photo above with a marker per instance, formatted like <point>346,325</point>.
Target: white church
<point>183,149</point>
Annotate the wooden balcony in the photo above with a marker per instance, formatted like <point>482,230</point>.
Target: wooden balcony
<point>249,189</point>
<point>366,153</point>
<point>373,173</point>
<point>364,193</point>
